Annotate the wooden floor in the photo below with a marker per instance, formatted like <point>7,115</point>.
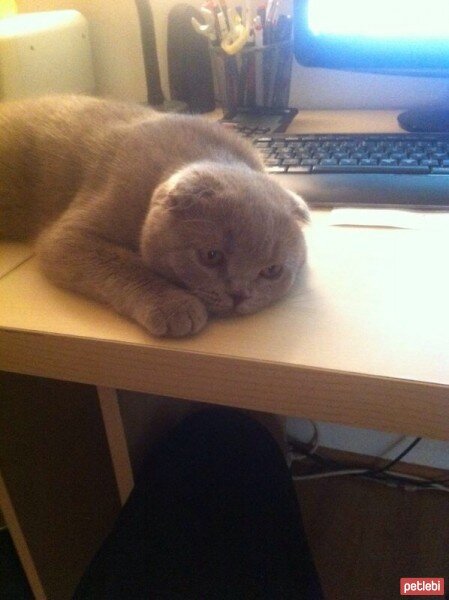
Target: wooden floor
<point>365,536</point>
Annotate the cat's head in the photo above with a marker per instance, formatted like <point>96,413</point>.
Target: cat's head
<point>229,234</point>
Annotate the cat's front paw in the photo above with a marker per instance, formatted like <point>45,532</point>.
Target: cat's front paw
<point>177,314</point>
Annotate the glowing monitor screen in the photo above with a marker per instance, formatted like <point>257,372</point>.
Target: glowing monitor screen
<point>368,34</point>
<point>383,18</point>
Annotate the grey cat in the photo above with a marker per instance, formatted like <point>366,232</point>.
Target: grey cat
<point>165,218</point>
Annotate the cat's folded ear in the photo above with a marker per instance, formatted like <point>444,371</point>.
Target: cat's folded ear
<point>299,207</point>
<point>182,193</point>
<point>173,200</point>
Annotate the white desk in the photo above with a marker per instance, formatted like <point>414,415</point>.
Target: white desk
<point>363,339</point>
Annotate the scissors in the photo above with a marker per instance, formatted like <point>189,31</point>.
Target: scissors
<point>237,37</point>
<point>215,29</point>
<point>208,29</point>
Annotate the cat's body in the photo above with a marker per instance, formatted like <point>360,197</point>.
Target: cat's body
<point>164,218</point>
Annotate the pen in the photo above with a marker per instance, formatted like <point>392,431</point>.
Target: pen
<point>275,13</point>
<point>224,9</point>
<point>261,12</point>
<point>215,10</point>
<point>258,31</point>
<point>221,23</point>
<point>282,28</point>
<point>207,29</point>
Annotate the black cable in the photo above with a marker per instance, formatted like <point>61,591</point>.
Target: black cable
<point>381,473</point>
<point>387,477</point>
<point>397,459</point>
<point>155,95</point>
<point>333,463</point>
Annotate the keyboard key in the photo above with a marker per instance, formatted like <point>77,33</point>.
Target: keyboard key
<point>440,171</point>
<point>408,162</point>
<point>328,162</point>
<point>275,169</point>
<point>299,169</point>
<point>397,170</point>
<point>284,151</point>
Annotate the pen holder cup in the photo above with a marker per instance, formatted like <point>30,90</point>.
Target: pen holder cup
<point>255,77</point>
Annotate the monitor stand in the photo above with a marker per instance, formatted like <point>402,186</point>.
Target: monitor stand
<point>432,120</point>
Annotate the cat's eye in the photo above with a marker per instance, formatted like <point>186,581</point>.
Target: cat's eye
<point>211,258</point>
<point>272,272</point>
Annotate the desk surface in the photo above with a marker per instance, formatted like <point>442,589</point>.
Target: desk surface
<point>363,339</point>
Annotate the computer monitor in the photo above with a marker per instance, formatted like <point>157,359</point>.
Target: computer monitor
<point>402,37</point>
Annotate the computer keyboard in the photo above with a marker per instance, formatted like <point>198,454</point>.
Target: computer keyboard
<point>363,169</point>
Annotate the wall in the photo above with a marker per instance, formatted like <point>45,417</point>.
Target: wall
<point>328,89</point>
<point>115,38</point>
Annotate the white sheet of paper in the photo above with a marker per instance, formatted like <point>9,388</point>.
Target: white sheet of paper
<point>389,218</point>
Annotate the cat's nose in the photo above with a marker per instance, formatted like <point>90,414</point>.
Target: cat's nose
<point>238,296</point>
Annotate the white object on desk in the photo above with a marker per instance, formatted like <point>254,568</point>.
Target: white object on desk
<point>43,53</point>
<point>389,218</point>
